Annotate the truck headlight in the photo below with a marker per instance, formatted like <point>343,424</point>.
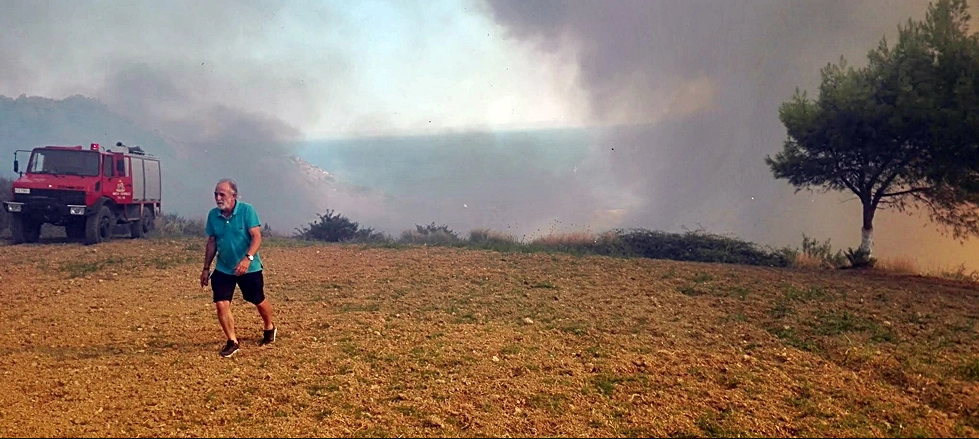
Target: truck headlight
<point>13,207</point>
<point>76,210</point>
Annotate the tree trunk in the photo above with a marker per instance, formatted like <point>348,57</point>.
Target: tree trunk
<point>867,231</point>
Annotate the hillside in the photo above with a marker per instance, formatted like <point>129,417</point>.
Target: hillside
<point>119,339</point>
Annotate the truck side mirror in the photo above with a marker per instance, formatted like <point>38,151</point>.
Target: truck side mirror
<point>16,168</point>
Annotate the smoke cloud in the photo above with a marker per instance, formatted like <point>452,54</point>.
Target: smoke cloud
<point>194,73</point>
<point>698,85</point>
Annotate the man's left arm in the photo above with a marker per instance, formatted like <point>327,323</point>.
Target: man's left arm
<point>256,242</point>
<point>254,226</point>
<point>256,234</point>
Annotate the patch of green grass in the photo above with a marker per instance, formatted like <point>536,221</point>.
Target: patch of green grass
<point>554,403</point>
<point>813,292</point>
<point>165,262</point>
<point>712,424</point>
<point>970,369</point>
<point>737,317</point>
<point>780,309</point>
<point>690,290</point>
<point>574,328</point>
<point>194,246</point>
<point>606,383</point>
<point>789,337</point>
<point>360,307</point>
<point>702,277</point>
<point>882,334</point>
<point>835,323</point>
<point>81,268</point>
<point>466,317</point>
<point>739,291</point>
<point>322,389</point>
<point>510,349</point>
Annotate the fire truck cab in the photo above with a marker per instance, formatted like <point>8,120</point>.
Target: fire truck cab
<point>90,191</point>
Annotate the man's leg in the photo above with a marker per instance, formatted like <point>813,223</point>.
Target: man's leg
<point>223,286</point>
<point>253,290</point>
<point>226,319</point>
<point>265,310</point>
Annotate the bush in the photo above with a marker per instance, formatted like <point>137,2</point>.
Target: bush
<point>430,235</point>
<point>174,225</point>
<point>860,258</point>
<point>822,252</point>
<point>815,254</point>
<point>605,244</point>
<point>491,239</point>
<point>698,246</point>
<point>334,227</point>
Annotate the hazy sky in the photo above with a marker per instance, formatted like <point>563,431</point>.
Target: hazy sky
<point>691,88</point>
<point>329,68</point>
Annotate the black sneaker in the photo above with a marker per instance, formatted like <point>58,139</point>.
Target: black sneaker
<point>268,336</point>
<point>229,349</point>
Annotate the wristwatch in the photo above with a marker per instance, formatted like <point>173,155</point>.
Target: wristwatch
<point>250,257</point>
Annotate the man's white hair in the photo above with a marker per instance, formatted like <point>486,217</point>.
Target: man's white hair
<point>231,183</point>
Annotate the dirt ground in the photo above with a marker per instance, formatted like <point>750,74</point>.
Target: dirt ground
<point>119,339</point>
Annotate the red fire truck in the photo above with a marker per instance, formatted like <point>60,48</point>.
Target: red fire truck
<point>90,191</point>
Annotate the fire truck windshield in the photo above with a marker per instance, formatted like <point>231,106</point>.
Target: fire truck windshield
<point>64,162</point>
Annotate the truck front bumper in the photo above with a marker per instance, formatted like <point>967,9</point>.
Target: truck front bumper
<point>44,209</point>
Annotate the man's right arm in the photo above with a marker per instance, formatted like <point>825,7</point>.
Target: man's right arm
<point>209,251</point>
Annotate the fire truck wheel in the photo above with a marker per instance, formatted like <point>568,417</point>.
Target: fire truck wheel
<point>139,229</point>
<point>98,227</point>
<point>24,230</point>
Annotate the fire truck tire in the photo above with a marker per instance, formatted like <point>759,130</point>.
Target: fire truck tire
<point>98,227</point>
<point>139,229</point>
<point>24,230</point>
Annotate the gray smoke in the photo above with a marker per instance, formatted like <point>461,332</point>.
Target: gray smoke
<point>192,73</point>
<point>699,83</point>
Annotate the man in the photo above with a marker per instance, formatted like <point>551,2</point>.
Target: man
<point>235,235</point>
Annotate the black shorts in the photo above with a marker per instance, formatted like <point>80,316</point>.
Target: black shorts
<point>252,286</point>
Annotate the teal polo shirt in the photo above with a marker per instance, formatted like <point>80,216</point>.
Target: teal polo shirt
<point>231,235</point>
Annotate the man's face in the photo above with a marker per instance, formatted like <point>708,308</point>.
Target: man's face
<point>224,197</point>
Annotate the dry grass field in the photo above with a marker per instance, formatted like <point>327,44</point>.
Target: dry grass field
<point>119,339</point>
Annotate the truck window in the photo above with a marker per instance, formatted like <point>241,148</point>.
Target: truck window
<point>107,166</point>
<point>65,162</point>
<point>121,167</point>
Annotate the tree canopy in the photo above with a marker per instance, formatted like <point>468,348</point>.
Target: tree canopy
<point>900,132</point>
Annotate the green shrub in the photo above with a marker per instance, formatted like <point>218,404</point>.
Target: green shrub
<point>175,225</point>
<point>860,258</point>
<point>698,246</point>
<point>430,235</point>
<point>331,227</point>
<point>823,252</point>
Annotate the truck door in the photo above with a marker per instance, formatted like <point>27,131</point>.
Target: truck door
<point>121,183</point>
<point>108,171</point>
